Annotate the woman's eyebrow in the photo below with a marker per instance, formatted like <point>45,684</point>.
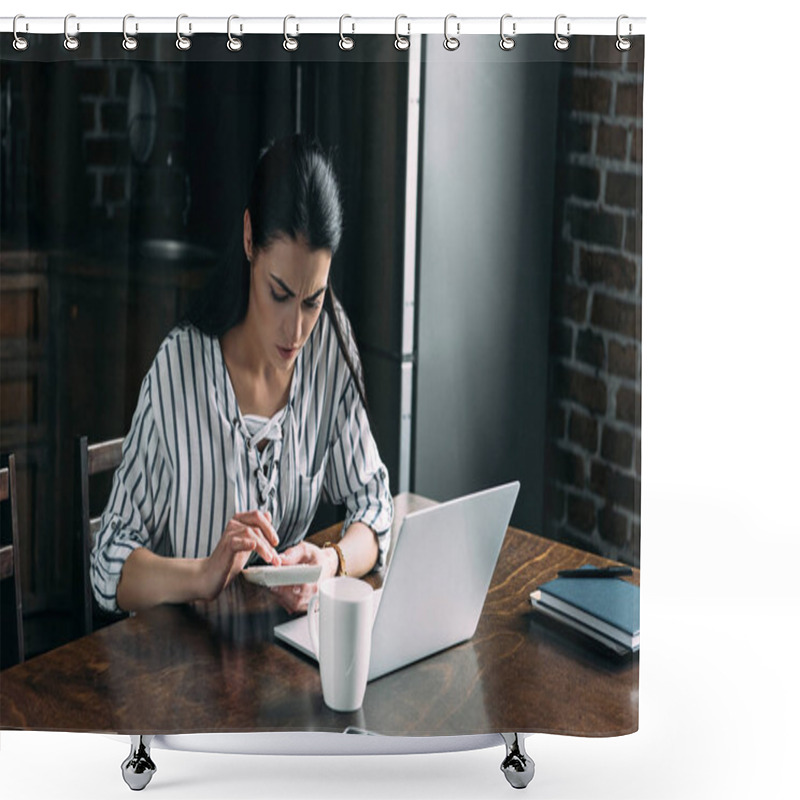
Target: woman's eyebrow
<point>291,293</point>
<point>282,284</point>
<point>316,294</point>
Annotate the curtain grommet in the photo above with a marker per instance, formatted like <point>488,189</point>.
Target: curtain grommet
<point>346,43</point>
<point>451,43</point>
<point>71,43</point>
<point>290,43</point>
<point>561,43</point>
<point>129,43</point>
<point>182,42</point>
<point>507,42</point>
<point>622,44</point>
<point>233,44</point>
<point>401,42</point>
<point>20,43</point>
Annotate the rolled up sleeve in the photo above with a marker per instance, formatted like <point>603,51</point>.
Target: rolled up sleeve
<point>356,476</point>
<point>135,515</point>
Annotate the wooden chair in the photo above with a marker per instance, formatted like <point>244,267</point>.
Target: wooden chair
<point>9,560</point>
<point>91,460</point>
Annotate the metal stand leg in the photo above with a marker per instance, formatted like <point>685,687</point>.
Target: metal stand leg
<point>138,768</point>
<point>518,766</point>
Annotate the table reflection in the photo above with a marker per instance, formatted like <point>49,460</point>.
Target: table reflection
<point>242,614</point>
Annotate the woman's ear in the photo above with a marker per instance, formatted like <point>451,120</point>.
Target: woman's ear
<point>248,235</point>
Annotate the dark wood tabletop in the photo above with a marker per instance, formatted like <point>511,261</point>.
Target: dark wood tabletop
<point>215,667</point>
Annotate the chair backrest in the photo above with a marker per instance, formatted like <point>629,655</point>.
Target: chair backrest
<point>9,554</point>
<point>91,459</point>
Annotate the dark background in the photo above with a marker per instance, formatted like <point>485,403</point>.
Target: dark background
<point>526,220</point>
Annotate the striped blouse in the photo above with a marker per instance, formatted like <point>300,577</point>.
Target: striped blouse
<point>191,460</point>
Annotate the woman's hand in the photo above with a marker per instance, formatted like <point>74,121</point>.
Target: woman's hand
<point>245,532</point>
<point>296,598</point>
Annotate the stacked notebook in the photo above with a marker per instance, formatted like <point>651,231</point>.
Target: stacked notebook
<point>605,609</point>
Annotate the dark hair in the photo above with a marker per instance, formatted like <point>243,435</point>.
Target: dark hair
<point>294,193</point>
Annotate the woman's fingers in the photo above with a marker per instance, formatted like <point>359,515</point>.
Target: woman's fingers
<point>253,523</point>
<point>239,543</point>
<point>297,555</point>
<point>261,521</point>
<point>267,552</point>
<point>245,532</point>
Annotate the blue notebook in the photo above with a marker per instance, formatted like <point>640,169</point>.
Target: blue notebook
<point>610,605</point>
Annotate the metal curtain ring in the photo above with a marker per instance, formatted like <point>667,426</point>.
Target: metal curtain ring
<point>507,42</point>
<point>451,42</point>
<point>128,42</point>
<point>346,42</point>
<point>71,42</point>
<point>289,43</point>
<point>234,44</point>
<point>622,43</point>
<point>20,42</point>
<point>561,42</point>
<point>182,43</point>
<point>401,42</point>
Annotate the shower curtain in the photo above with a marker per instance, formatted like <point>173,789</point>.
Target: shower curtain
<point>490,269</point>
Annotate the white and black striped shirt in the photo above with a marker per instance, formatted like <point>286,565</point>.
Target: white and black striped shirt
<point>190,460</point>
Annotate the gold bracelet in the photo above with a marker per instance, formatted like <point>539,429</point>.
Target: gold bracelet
<point>340,554</point>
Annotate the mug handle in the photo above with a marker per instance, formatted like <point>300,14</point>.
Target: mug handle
<point>313,624</point>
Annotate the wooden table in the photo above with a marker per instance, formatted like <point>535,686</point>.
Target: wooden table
<point>215,667</point>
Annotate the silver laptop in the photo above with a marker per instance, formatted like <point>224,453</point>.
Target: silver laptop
<point>436,582</point>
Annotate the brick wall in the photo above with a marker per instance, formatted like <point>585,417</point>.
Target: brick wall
<point>118,187</point>
<point>594,441</point>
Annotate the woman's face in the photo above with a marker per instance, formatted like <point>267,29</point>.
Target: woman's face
<point>287,287</point>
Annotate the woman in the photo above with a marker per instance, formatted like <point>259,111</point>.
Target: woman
<point>249,411</point>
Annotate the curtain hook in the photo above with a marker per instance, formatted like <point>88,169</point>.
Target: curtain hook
<point>507,42</point>
<point>182,43</point>
<point>20,42</point>
<point>346,42</point>
<point>561,42</point>
<point>129,42</point>
<point>401,42</point>
<point>71,42</point>
<point>289,43</point>
<point>622,43</point>
<point>234,44</point>
<point>451,42</point>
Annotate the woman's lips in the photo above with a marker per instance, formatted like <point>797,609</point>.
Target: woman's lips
<point>287,353</point>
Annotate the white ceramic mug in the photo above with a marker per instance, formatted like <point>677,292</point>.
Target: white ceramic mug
<point>341,636</point>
